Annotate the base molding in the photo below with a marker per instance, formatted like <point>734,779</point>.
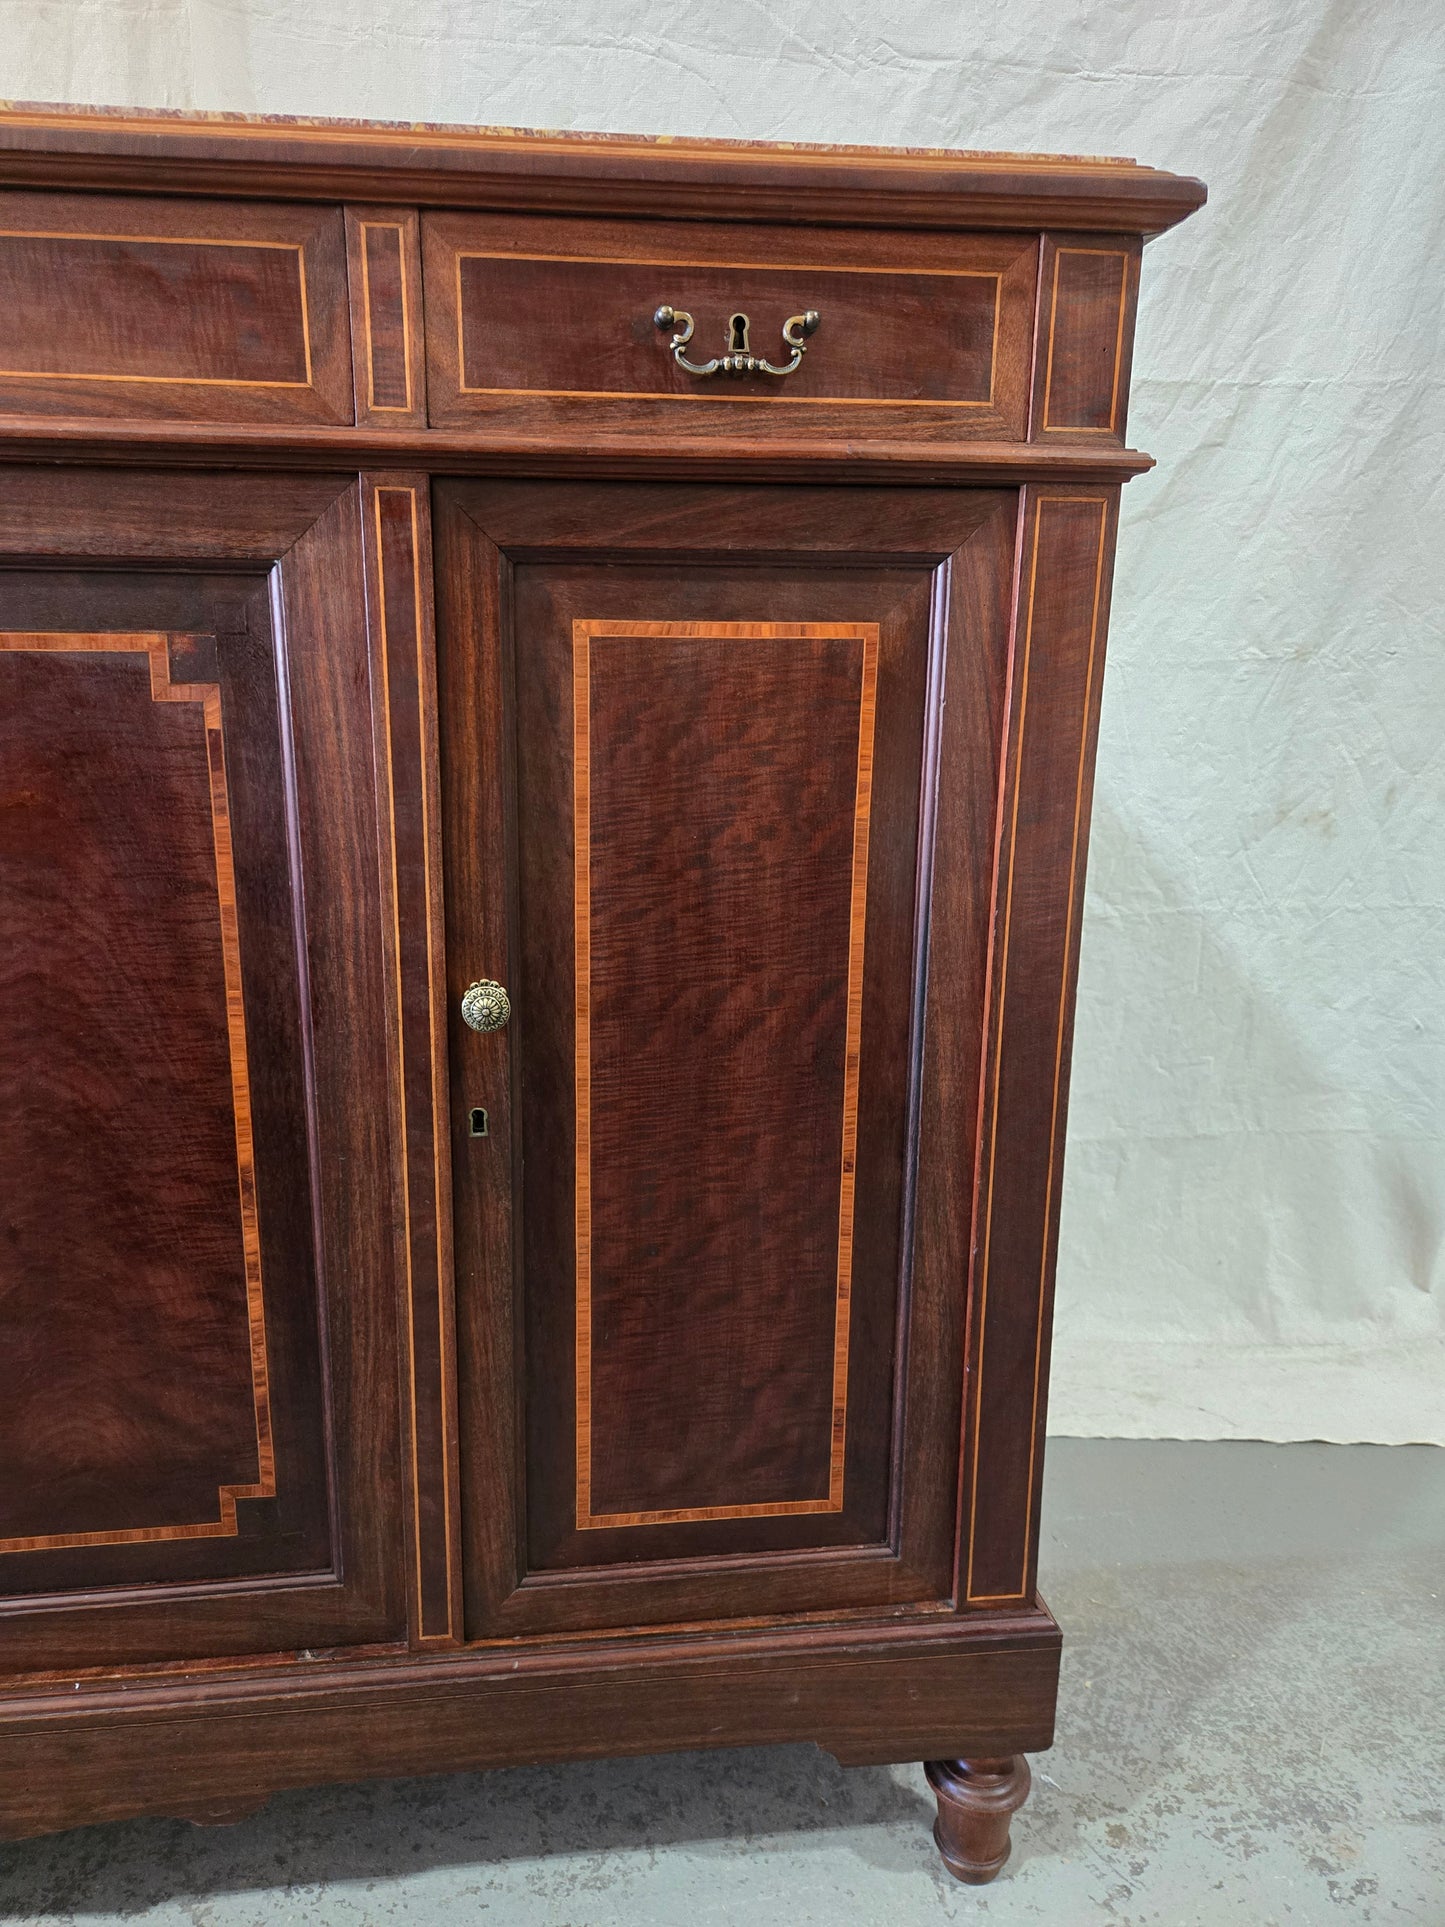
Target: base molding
<point>208,1747</point>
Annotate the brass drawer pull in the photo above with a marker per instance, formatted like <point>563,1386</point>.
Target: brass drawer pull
<point>738,359</point>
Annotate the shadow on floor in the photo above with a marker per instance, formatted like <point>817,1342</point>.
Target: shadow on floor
<point>791,1798</point>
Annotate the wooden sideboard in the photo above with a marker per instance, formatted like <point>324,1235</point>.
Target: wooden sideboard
<point>547,699</point>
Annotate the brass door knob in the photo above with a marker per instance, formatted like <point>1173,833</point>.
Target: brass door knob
<point>485,1005</point>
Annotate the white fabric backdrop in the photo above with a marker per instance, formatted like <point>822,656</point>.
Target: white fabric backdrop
<point>1256,1188</point>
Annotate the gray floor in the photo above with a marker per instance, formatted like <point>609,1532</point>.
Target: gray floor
<point>1252,1729</point>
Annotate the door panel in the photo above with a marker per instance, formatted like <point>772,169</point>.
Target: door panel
<point>688,795</point>
<point>136,1274</point>
<point>695,1123</point>
<point>721,810</point>
<point>183,1467</point>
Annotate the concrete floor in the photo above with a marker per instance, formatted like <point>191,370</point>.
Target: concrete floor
<point>1251,1730</point>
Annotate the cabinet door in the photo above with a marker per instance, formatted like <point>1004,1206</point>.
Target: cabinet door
<point>720,772</point>
<point>198,1432</point>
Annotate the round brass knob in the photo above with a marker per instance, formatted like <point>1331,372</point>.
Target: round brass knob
<point>485,1005</point>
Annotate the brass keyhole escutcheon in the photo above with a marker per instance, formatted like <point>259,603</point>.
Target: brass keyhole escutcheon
<point>485,1005</point>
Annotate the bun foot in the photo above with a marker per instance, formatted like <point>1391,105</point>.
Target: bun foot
<point>976,1801</point>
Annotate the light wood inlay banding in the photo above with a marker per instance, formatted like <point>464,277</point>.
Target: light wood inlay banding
<point>156,648</point>
<point>722,633</point>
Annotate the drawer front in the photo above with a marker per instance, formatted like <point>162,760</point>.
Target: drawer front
<point>529,319</point>
<point>199,310</point>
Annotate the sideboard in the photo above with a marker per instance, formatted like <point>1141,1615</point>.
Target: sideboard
<point>548,688</point>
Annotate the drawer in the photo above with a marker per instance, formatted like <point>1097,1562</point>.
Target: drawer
<point>531,319</point>
<point>199,310</point>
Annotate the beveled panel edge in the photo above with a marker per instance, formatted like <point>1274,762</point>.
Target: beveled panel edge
<point>155,646</point>
<point>408,822</point>
<point>583,630</point>
<point>573,172</point>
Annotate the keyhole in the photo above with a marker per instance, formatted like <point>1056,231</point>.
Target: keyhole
<point>737,334</point>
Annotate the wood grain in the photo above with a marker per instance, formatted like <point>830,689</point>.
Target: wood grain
<point>313,1564</point>
<point>907,339</point>
<point>1088,290</point>
<point>976,1801</point>
<point>403,667</point>
<point>1054,718</point>
<point>867,1693</point>
<point>702,1400</point>
<point>933,571</point>
<point>573,447</point>
<point>207,748</point>
<point>200,310</point>
<point>383,258</point>
<point>748,1082</point>
<point>541,324</point>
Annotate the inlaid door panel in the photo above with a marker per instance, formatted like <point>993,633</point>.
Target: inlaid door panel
<point>721,805</point>
<point>140,1410</point>
<point>190,1462</point>
<point>693,744</point>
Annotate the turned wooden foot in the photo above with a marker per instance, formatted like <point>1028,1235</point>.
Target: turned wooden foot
<point>976,1801</point>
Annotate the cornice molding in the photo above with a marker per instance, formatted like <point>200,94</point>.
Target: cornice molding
<point>577,173</point>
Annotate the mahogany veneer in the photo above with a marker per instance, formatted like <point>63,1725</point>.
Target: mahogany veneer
<point>192,310</point>
<point>384,607</point>
<point>921,334</point>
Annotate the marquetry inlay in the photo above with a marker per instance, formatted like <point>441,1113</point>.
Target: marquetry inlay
<point>724,635</point>
<point>156,648</point>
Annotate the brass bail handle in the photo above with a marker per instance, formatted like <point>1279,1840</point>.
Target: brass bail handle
<point>738,357</point>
